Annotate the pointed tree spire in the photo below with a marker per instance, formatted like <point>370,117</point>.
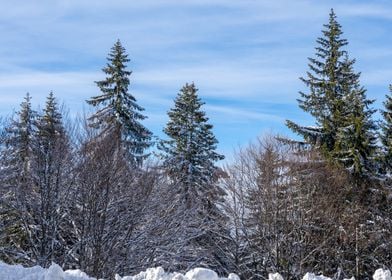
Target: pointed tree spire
<point>324,82</point>
<point>50,123</point>
<point>118,114</point>
<point>19,138</point>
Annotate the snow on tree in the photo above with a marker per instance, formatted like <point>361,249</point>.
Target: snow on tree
<point>36,166</point>
<point>190,151</point>
<point>189,161</point>
<point>355,146</point>
<point>16,181</point>
<point>110,191</point>
<point>52,169</point>
<point>118,114</point>
<point>100,180</point>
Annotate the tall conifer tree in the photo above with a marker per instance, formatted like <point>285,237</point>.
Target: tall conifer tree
<point>118,113</point>
<point>324,80</point>
<point>344,129</point>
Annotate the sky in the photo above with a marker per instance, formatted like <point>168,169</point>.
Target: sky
<point>245,57</point>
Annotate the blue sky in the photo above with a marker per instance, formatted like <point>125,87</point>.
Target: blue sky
<point>244,56</point>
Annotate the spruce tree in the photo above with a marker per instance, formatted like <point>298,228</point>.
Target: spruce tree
<point>18,144</point>
<point>324,80</point>
<point>190,152</point>
<point>344,129</point>
<point>386,133</point>
<point>189,160</point>
<point>50,126</point>
<point>118,113</point>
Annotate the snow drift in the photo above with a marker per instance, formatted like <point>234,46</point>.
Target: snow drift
<point>380,274</point>
<point>194,274</point>
<point>54,272</point>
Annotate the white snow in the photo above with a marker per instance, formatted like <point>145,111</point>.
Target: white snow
<point>382,274</point>
<point>54,272</point>
<point>275,276</point>
<point>194,274</point>
<point>311,276</point>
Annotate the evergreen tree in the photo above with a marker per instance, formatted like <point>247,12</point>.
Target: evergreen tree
<point>324,80</point>
<point>16,178</point>
<point>119,115</point>
<point>386,133</point>
<point>18,145</point>
<point>355,146</point>
<point>189,160</point>
<point>344,129</point>
<point>190,152</point>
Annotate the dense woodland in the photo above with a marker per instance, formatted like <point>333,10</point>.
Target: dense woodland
<point>102,194</point>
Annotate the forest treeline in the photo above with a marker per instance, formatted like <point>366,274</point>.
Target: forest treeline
<point>90,194</point>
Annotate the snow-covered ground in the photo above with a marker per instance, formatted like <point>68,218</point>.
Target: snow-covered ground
<point>380,274</point>
<point>54,272</point>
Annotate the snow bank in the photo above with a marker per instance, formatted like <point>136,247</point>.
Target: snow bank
<point>275,276</point>
<point>311,276</point>
<point>54,272</point>
<point>194,274</point>
<point>382,274</point>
